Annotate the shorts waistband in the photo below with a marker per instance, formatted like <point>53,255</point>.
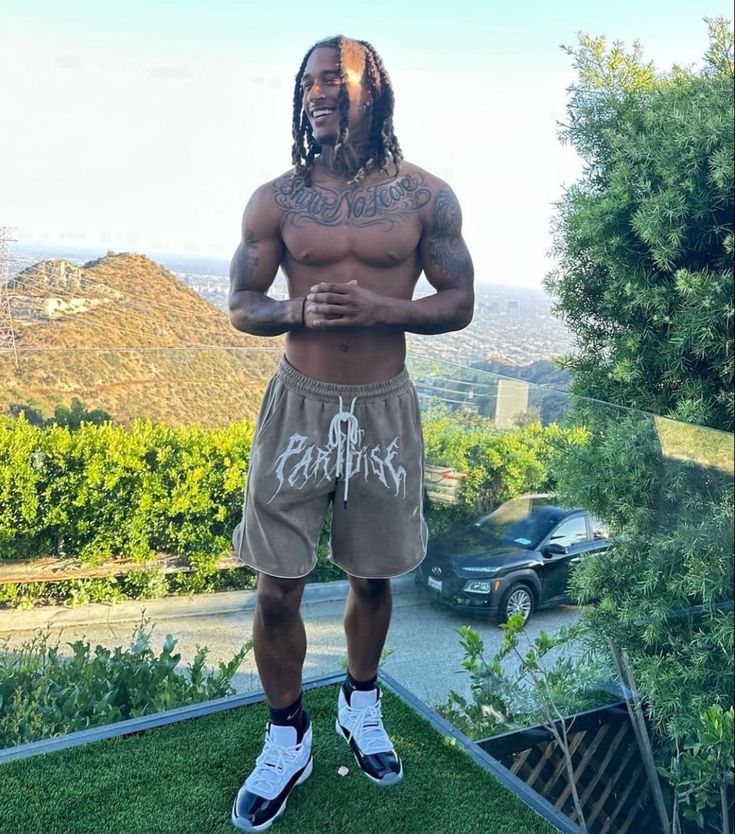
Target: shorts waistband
<point>331,392</point>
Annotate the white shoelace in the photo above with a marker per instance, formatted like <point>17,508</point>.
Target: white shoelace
<point>267,777</point>
<point>366,726</point>
<point>344,441</point>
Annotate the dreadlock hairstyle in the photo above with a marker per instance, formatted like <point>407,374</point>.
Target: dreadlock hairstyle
<point>385,148</point>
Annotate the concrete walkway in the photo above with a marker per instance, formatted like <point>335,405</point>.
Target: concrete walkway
<point>426,656</point>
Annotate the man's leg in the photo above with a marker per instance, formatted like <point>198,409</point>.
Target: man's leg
<point>367,617</point>
<point>359,717</point>
<point>279,638</point>
<point>279,641</point>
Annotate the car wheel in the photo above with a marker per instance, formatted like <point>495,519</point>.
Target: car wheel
<point>518,597</point>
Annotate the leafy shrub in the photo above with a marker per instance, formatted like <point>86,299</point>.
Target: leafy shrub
<point>702,773</point>
<point>507,695</point>
<point>45,694</point>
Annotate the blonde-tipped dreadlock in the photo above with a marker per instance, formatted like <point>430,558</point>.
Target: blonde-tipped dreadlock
<point>382,139</point>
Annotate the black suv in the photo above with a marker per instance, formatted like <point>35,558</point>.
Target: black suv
<point>517,558</point>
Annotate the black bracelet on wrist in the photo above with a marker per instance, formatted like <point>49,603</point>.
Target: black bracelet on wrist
<point>303,312</point>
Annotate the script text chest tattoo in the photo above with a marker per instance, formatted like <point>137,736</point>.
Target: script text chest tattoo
<point>384,204</point>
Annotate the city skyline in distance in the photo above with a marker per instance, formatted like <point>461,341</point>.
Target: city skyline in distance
<point>514,324</point>
<point>23,253</point>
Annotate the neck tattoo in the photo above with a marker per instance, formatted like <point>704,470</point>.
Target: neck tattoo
<point>347,161</point>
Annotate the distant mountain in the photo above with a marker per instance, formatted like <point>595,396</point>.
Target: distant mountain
<point>550,403</point>
<point>116,333</point>
<point>541,372</point>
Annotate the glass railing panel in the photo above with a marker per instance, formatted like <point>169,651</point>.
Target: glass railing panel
<point>131,514</point>
<point>611,531</point>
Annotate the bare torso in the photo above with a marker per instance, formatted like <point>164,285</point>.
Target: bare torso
<point>352,254</point>
<point>368,232</point>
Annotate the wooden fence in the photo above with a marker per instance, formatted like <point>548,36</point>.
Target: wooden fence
<point>608,770</point>
<point>53,569</point>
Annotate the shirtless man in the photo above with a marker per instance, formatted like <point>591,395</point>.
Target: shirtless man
<point>352,226</point>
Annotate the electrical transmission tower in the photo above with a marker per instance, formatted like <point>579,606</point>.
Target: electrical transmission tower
<point>7,331</point>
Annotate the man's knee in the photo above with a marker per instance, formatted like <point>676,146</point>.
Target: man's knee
<point>278,600</point>
<point>372,591</point>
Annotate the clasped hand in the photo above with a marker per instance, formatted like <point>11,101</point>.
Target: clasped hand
<point>341,305</point>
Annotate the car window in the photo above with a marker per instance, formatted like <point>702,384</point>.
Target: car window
<point>600,530</point>
<point>570,532</point>
<point>507,529</point>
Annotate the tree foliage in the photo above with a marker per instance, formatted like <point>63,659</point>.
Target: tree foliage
<point>663,592</point>
<point>644,244</point>
<point>644,240</point>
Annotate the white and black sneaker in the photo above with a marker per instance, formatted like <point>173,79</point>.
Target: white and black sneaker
<point>283,764</point>
<point>360,722</point>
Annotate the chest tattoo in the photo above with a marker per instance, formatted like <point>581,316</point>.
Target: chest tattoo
<point>383,204</point>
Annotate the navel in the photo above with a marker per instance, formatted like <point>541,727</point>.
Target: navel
<point>344,348</point>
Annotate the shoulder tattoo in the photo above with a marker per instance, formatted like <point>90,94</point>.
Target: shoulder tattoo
<point>447,249</point>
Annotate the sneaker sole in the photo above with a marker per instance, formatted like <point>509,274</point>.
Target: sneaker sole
<point>244,825</point>
<point>389,781</point>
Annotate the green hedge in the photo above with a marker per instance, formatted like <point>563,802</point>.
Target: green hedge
<point>106,491</point>
<point>109,491</point>
<point>498,464</point>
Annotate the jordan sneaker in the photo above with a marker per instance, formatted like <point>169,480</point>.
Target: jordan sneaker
<point>360,723</point>
<point>283,764</point>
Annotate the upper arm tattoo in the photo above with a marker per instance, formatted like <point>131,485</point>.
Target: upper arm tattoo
<point>247,257</point>
<point>447,250</point>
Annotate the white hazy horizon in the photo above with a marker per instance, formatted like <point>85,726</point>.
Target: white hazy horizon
<point>131,128</point>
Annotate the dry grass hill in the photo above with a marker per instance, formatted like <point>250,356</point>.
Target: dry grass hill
<point>123,334</point>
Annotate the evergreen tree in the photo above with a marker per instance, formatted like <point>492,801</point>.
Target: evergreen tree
<point>644,240</point>
<point>644,244</point>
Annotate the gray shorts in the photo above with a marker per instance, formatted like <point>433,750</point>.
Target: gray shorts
<point>356,447</point>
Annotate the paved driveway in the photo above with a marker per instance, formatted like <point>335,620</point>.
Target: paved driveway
<point>426,655</point>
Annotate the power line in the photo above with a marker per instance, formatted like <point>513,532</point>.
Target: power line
<point>5,312</point>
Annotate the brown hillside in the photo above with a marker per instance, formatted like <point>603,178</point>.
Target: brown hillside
<point>124,334</point>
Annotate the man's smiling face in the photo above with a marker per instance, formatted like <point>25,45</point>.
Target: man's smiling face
<point>321,85</point>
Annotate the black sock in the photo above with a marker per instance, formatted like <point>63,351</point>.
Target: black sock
<point>351,685</point>
<point>290,716</point>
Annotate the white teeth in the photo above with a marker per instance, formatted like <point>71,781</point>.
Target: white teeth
<point>317,113</point>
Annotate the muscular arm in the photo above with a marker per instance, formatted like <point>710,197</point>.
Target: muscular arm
<point>447,265</point>
<point>253,269</point>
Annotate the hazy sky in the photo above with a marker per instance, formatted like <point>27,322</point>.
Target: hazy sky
<point>146,125</point>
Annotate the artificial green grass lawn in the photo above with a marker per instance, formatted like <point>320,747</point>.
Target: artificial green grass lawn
<point>181,779</point>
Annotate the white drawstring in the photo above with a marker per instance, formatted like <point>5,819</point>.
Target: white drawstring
<point>344,443</point>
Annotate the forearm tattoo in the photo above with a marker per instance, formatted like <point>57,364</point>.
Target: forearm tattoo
<point>447,249</point>
<point>387,204</point>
